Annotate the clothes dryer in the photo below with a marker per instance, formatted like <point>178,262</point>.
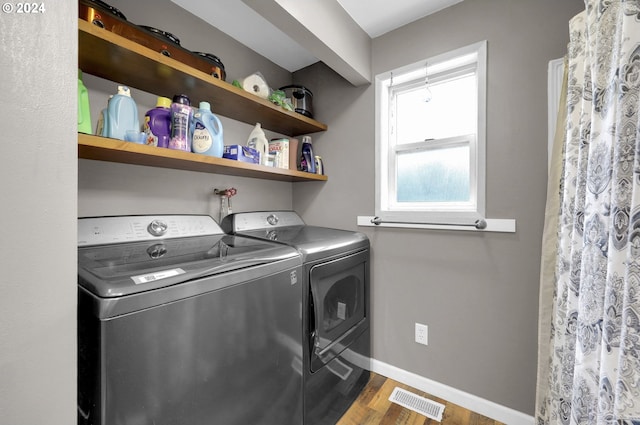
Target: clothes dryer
<point>336,290</point>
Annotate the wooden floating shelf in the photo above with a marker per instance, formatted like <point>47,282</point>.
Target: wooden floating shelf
<point>113,57</point>
<point>110,56</point>
<point>112,150</point>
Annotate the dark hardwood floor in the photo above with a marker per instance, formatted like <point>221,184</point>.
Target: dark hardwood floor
<point>374,408</point>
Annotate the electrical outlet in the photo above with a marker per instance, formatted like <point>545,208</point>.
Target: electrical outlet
<point>422,334</point>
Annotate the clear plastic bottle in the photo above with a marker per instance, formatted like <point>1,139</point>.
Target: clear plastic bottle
<point>180,121</point>
<point>100,131</point>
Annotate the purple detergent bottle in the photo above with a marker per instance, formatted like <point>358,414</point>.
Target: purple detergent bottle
<point>180,121</point>
<point>157,123</point>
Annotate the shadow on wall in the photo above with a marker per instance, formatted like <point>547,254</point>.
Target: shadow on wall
<point>349,190</point>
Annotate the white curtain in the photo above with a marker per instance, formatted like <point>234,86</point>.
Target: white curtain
<point>589,329</point>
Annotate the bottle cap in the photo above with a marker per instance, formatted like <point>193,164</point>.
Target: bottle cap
<point>163,102</point>
<point>124,90</point>
<point>182,99</point>
<point>205,105</point>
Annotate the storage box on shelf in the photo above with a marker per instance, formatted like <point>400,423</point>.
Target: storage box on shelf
<point>110,56</point>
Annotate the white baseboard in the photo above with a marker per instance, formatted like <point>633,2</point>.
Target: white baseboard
<point>468,401</point>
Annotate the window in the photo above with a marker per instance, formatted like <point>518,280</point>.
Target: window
<point>430,139</point>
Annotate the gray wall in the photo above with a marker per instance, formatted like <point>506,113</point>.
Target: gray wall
<point>38,63</point>
<point>112,189</point>
<point>477,292</point>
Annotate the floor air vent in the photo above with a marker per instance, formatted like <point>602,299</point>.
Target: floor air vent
<point>426,407</point>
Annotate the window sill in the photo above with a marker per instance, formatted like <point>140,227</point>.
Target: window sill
<point>493,225</point>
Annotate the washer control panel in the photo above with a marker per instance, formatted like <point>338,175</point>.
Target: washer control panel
<point>242,222</point>
<point>158,227</point>
<point>111,230</point>
<point>272,219</point>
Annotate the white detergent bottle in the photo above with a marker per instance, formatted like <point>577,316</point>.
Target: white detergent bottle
<point>121,115</point>
<point>258,141</point>
<point>206,132</point>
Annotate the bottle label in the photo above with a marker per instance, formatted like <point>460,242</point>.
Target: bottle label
<point>150,139</point>
<point>180,128</point>
<point>308,157</point>
<point>100,124</point>
<point>202,139</point>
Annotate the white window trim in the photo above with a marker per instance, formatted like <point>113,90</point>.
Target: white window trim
<point>478,53</point>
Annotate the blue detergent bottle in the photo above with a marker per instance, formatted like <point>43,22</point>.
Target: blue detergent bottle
<point>121,115</point>
<point>206,132</point>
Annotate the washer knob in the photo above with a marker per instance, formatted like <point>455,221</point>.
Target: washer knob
<point>157,228</point>
<point>272,219</point>
<point>156,251</point>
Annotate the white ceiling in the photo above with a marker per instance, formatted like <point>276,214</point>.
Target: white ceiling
<point>378,17</point>
<point>239,21</point>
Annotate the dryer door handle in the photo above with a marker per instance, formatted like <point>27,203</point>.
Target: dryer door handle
<point>313,331</point>
<point>313,337</point>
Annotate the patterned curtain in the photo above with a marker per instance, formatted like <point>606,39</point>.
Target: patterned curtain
<point>589,329</point>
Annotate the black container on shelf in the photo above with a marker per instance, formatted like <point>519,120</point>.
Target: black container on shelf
<point>301,99</point>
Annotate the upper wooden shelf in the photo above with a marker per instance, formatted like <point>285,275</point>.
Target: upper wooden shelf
<point>110,56</point>
<point>105,149</point>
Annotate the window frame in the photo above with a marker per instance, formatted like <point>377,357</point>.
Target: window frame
<point>441,67</point>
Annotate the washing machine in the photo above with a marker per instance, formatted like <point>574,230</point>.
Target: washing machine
<point>180,323</point>
<point>336,340</point>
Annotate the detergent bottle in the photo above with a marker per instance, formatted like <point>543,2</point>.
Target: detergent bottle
<point>100,131</point>
<point>121,115</point>
<point>206,132</point>
<point>84,113</point>
<point>258,141</point>
<point>307,160</point>
<point>157,123</point>
<point>180,121</point>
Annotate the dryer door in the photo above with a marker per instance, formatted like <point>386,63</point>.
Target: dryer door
<point>338,305</point>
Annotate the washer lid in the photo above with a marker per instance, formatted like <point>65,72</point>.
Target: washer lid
<point>314,242</point>
<point>126,268</point>
<point>287,227</point>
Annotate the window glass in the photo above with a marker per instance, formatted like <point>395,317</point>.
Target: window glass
<point>451,110</point>
<point>434,175</point>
